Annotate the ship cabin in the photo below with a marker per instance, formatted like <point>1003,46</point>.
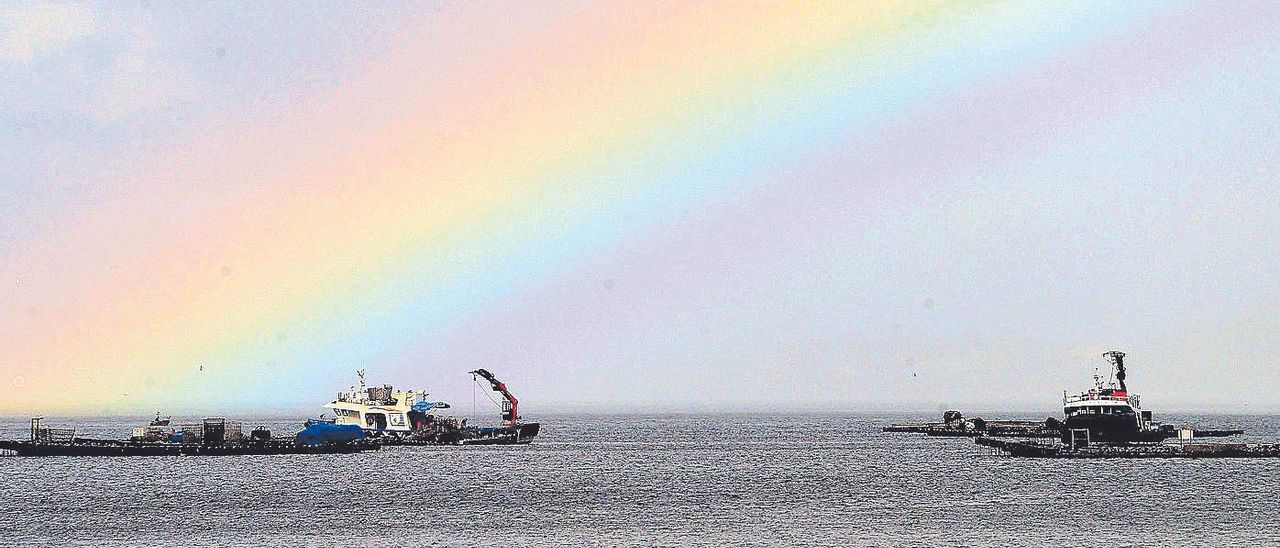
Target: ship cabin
<point>1109,413</point>
<point>1106,402</point>
<point>383,409</point>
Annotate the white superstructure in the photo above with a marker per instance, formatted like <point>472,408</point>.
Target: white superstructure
<point>382,409</point>
<point>1105,399</point>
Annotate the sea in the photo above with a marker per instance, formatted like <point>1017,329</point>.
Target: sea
<point>699,479</point>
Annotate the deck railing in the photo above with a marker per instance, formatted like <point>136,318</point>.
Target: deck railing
<point>53,435</point>
<point>1094,396</point>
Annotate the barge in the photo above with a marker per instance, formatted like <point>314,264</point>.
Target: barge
<point>212,436</point>
<point>1019,448</point>
<point>954,424</point>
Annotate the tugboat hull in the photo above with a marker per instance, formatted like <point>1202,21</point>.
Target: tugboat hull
<point>1105,428</point>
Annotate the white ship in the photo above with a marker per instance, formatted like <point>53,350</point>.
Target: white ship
<point>407,417</point>
<point>383,410</point>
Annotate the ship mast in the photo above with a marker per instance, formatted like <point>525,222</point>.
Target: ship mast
<point>1117,359</point>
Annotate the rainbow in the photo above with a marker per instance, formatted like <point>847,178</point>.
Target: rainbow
<point>486,157</point>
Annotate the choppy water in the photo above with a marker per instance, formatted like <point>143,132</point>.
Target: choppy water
<point>673,480</point>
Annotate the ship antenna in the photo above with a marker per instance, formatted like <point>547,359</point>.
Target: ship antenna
<point>1117,359</point>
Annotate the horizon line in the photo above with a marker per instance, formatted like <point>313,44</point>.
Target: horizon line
<point>682,409</point>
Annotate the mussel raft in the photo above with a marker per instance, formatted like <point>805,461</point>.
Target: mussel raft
<point>1033,449</point>
<point>217,436</point>
<point>212,436</point>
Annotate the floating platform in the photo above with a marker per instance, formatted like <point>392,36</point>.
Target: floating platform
<point>212,436</point>
<point>1011,428</point>
<point>954,424</point>
<point>1218,433</point>
<point>1023,429</point>
<point>1033,449</point>
<point>519,434</point>
<point>83,447</point>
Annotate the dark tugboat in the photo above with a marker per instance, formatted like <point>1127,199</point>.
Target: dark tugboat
<point>1108,412</point>
<point>1104,422</point>
<point>1107,422</point>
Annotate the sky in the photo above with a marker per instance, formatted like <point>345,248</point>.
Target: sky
<point>653,206</point>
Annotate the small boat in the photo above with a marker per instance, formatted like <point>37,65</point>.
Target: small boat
<point>513,430</point>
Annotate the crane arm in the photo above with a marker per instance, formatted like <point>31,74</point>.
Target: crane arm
<point>510,412</point>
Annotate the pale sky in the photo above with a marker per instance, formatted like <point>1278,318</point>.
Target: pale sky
<point>849,206</point>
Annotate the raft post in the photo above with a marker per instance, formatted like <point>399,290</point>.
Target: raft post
<point>1081,434</point>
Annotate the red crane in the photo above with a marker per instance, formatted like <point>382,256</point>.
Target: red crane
<point>510,407</point>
